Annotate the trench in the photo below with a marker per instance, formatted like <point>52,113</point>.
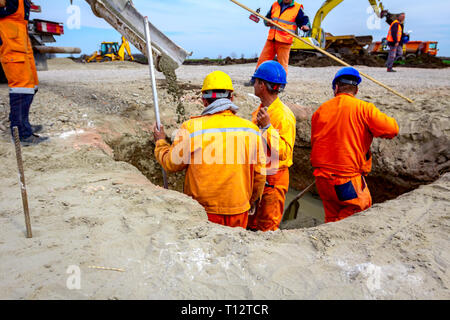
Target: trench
<point>138,150</point>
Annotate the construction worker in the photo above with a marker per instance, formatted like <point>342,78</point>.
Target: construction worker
<point>289,15</point>
<point>16,55</point>
<point>277,122</point>
<point>342,131</point>
<point>222,154</point>
<point>395,41</point>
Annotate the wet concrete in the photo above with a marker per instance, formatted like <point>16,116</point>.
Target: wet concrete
<point>310,213</point>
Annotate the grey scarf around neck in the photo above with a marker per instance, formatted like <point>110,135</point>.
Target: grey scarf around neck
<point>220,105</point>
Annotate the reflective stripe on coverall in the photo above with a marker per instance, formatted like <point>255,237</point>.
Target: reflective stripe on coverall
<point>278,41</point>
<point>286,19</point>
<point>224,161</point>
<point>280,137</point>
<point>398,36</point>
<point>342,131</point>
<point>17,60</point>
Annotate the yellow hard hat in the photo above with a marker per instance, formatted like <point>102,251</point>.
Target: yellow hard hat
<point>217,80</point>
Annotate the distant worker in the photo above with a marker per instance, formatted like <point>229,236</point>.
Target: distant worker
<point>395,41</point>
<point>342,131</point>
<point>222,154</point>
<point>277,123</point>
<point>289,15</point>
<point>16,55</point>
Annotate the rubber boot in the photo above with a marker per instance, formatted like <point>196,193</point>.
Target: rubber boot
<point>26,116</point>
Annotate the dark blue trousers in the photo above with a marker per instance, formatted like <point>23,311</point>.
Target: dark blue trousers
<point>19,113</point>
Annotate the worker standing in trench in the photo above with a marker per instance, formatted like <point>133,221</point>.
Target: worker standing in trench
<point>222,154</point>
<point>277,123</point>
<point>342,131</point>
<point>395,41</point>
<point>289,14</point>
<point>16,55</point>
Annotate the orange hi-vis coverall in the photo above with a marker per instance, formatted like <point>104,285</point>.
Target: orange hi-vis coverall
<point>225,163</point>
<point>278,41</point>
<point>398,35</point>
<point>16,56</point>
<point>280,138</point>
<point>16,53</point>
<point>342,131</point>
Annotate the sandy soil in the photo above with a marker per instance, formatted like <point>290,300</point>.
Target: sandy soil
<point>91,208</point>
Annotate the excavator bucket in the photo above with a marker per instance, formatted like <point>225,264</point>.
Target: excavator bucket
<point>123,16</point>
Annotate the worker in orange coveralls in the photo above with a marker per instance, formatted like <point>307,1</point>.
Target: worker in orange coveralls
<point>222,154</point>
<point>288,14</point>
<point>342,130</point>
<point>16,55</point>
<point>277,122</point>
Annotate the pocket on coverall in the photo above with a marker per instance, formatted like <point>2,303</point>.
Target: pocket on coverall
<point>14,46</point>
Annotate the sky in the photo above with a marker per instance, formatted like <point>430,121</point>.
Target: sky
<point>213,28</point>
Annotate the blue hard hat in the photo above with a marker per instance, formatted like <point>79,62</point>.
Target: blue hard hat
<point>347,72</point>
<point>271,71</point>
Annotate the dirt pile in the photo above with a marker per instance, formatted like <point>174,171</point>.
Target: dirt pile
<point>354,60</point>
<point>424,61</point>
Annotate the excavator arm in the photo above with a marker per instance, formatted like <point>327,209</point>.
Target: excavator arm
<point>317,32</point>
<point>123,16</point>
<point>125,46</point>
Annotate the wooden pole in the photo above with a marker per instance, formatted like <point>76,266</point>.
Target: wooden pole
<point>23,188</point>
<point>322,51</point>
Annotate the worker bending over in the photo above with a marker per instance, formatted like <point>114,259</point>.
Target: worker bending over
<point>289,15</point>
<point>395,41</point>
<point>342,131</point>
<point>222,154</point>
<point>16,55</point>
<point>277,123</point>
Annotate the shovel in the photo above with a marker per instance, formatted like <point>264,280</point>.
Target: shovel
<point>291,211</point>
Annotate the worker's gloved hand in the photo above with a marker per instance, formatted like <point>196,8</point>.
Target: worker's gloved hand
<point>2,3</point>
<point>268,24</point>
<point>253,208</point>
<point>158,134</point>
<point>305,28</point>
<point>263,118</point>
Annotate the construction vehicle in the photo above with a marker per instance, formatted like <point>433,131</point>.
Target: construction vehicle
<point>42,32</point>
<point>334,44</point>
<point>411,49</point>
<point>110,51</point>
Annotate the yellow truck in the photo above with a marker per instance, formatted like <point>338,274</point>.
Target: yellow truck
<point>110,51</point>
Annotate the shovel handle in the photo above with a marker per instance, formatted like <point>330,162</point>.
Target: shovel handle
<point>301,194</point>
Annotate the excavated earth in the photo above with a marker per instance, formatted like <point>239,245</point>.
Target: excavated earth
<point>95,197</point>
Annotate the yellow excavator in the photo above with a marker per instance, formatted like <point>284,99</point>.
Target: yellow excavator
<point>110,51</point>
<point>334,44</point>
